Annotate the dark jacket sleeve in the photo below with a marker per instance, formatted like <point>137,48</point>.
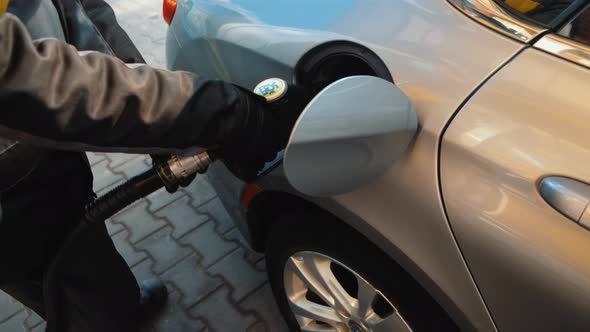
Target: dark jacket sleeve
<point>92,25</point>
<point>50,95</point>
<point>103,17</point>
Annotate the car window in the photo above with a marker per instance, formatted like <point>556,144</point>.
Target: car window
<point>539,11</point>
<point>578,28</point>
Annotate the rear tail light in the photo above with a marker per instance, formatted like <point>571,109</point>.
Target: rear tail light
<point>169,10</point>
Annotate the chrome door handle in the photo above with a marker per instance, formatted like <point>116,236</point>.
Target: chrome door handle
<point>570,197</point>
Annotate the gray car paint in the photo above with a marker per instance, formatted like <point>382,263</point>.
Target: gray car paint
<point>437,57</point>
<point>530,122</point>
<point>339,144</point>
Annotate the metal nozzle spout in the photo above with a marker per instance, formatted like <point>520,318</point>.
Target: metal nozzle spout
<point>185,165</point>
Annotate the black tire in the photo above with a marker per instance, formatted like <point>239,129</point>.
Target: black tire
<point>305,231</point>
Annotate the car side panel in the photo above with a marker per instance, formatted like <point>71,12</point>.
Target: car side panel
<point>436,55</point>
<point>530,121</point>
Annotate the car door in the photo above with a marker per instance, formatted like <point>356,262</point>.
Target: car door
<point>515,177</point>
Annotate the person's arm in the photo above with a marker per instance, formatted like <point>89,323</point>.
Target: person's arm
<point>103,17</point>
<point>50,95</point>
<point>92,25</point>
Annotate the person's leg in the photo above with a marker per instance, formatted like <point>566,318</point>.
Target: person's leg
<point>29,293</point>
<point>36,212</point>
<point>96,290</point>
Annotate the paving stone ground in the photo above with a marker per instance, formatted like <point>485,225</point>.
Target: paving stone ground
<point>216,282</point>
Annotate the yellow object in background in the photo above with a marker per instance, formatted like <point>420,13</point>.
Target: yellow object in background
<point>523,6</point>
<point>3,6</point>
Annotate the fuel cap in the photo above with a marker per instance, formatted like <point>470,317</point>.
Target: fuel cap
<point>271,89</point>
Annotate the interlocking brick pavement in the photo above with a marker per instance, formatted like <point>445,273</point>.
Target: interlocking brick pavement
<point>222,314</point>
<point>187,238</point>
<point>216,282</point>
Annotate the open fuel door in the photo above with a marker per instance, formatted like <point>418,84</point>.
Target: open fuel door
<point>349,135</point>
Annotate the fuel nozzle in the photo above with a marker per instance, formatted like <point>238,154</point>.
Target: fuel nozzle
<point>184,165</point>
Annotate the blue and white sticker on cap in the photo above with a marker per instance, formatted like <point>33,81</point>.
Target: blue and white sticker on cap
<point>271,89</point>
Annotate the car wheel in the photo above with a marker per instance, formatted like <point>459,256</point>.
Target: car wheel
<point>325,276</point>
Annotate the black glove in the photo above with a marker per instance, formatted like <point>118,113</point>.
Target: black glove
<point>267,131</point>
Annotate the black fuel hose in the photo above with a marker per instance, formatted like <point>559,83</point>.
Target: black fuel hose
<point>122,196</point>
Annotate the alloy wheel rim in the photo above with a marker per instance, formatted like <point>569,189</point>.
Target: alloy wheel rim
<point>327,296</point>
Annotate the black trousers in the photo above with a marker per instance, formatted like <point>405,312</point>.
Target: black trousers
<point>92,289</point>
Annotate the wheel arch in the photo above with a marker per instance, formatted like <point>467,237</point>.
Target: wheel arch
<point>267,207</point>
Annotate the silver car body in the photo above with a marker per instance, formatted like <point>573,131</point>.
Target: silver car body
<point>503,259</point>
